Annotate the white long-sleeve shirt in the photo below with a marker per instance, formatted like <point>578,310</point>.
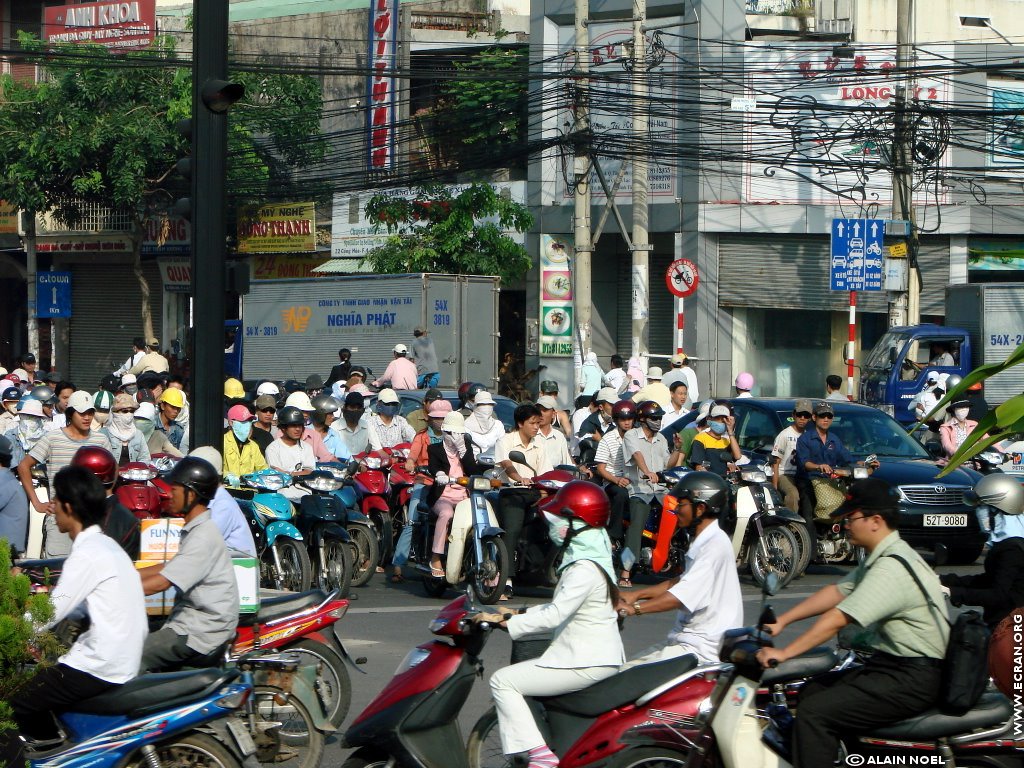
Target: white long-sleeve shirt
<point>98,579</point>
<point>128,364</point>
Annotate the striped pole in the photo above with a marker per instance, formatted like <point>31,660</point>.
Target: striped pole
<point>680,323</point>
<point>853,340</point>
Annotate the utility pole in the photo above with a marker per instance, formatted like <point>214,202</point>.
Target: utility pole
<point>641,247</point>
<point>28,220</point>
<point>904,308</point>
<point>581,193</point>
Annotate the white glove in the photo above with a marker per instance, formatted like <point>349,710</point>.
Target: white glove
<point>441,478</point>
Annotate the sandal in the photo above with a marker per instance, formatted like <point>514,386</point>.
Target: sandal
<point>625,583</point>
<point>436,573</point>
<point>506,594</point>
<point>396,578</point>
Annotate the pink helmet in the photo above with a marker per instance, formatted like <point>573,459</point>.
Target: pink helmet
<point>745,382</point>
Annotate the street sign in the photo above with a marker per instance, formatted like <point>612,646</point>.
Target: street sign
<point>682,278</point>
<point>856,254</point>
<point>53,294</point>
<point>898,250</point>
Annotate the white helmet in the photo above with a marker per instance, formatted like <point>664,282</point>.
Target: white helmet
<point>267,388</point>
<point>1001,491</point>
<point>301,401</point>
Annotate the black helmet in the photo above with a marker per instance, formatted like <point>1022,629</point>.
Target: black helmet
<point>197,475</point>
<point>649,409</point>
<point>290,416</point>
<point>325,404</point>
<point>706,487</point>
<point>44,394</point>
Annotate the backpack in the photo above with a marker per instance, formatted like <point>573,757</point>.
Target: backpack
<point>964,672</point>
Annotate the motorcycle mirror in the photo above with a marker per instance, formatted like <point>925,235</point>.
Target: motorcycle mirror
<point>518,457</point>
<point>485,461</point>
<point>941,554</point>
<point>767,616</point>
<point>771,585</point>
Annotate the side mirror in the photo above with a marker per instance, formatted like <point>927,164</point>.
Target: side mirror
<point>893,354</point>
<point>518,457</point>
<point>767,616</point>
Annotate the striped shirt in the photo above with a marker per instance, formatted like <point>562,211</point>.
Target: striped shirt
<point>609,452</point>
<point>55,449</point>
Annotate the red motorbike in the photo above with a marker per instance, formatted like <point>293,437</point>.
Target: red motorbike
<point>142,491</point>
<point>414,720</point>
<point>373,493</point>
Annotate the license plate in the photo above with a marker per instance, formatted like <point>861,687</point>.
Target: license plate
<point>945,521</point>
<point>242,737</point>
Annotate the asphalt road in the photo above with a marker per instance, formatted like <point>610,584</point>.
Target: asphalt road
<point>386,621</point>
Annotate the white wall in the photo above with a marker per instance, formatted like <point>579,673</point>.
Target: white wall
<point>938,20</point>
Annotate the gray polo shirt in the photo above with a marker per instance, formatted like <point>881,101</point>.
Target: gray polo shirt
<point>655,452</point>
<point>206,608</point>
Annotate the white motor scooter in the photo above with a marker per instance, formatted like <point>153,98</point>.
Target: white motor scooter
<point>37,520</point>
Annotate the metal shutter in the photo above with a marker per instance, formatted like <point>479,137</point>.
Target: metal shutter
<point>933,255</point>
<point>661,323</point>
<point>106,316</point>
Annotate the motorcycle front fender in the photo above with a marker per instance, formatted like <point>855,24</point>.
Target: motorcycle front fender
<point>789,516</point>
<point>302,685</point>
<point>335,635</point>
<point>372,503</point>
<point>329,531</point>
<point>281,528</point>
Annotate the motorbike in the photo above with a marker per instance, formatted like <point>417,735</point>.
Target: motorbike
<point>34,543</point>
<point>284,562</point>
<point>141,489</point>
<point>414,720</point>
<point>732,733</point>
<point>362,534</point>
<point>831,540</point>
<point>373,493</point>
<point>321,521</point>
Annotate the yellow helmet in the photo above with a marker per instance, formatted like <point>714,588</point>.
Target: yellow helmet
<point>173,397</point>
<point>233,388</point>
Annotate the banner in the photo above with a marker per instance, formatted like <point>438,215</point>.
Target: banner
<point>277,228</point>
<point>118,26</point>
<point>8,218</point>
<point>381,84</point>
<point>556,299</point>
<point>286,267</point>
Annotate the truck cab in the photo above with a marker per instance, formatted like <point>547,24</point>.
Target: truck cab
<point>896,369</point>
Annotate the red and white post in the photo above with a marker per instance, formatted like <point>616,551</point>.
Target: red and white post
<point>852,345</point>
<point>680,324</point>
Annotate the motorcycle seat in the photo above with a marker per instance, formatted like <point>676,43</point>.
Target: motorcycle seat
<point>276,607</point>
<point>164,690</point>
<point>814,662</point>
<point>620,689</point>
<point>991,710</point>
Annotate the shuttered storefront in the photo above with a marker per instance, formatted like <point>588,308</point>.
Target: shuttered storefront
<point>662,321</point>
<point>792,272</point>
<point>107,315</point>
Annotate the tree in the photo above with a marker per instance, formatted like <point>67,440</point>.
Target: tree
<point>100,129</point>
<point>461,234</point>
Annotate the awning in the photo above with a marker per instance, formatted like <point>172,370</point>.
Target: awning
<point>344,266</point>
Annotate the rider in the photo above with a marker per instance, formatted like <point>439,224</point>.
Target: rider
<point>13,504</point>
<point>612,469</point>
<point>957,426</point>
<point>97,580</point>
<point>27,430</point>
<point>169,406</point>
<point>118,523</point>
<point>242,454</point>
<point>715,448</point>
<point>290,453</point>
<point>205,612</point>
<point>902,677</point>
<point>784,455</point>
<point>352,428</point>
<point>387,426</point>
<point>483,426</point>
<point>1000,588</point>
<point>225,511</point>
<point>9,415</point>
<point>326,406</point>
<point>127,442</point>
<point>707,597</point>
<point>586,647</point>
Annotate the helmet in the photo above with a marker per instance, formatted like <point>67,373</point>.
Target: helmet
<point>745,381</point>
<point>28,406</point>
<point>173,397</point>
<point>267,388</point>
<point>649,409</point>
<point>103,400</point>
<point>233,388</point>
<point>144,395</point>
<point>468,390</point>
<point>290,416</point>
<point>1003,492</point>
<point>581,499</point>
<point>953,380</point>
<point>44,394</point>
<point>97,460</point>
<point>11,393</point>
<point>301,401</point>
<point>197,475</point>
<point>706,487</point>
<point>624,409</point>
<point>325,404</point>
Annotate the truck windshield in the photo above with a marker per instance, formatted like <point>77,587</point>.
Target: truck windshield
<point>879,356</point>
<point>865,431</point>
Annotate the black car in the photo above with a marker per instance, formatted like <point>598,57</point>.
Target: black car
<point>932,511</point>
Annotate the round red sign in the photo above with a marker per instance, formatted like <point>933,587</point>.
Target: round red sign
<point>682,278</point>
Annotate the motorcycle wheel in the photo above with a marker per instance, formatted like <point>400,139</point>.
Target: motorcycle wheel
<point>296,571</point>
<point>285,736</point>
<point>650,757</point>
<point>807,546</point>
<point>385,545</point>
<point>363,546</point>
<point>484,744</point>
<point>193,749</point>
<point>366,758</point>
<point>336,572</point>
<point>333,685</point>
<point>776,552</point>
<point>490,575</point>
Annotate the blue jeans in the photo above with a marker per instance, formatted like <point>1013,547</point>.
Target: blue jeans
<point>401,555</point>
<point>428,380</point>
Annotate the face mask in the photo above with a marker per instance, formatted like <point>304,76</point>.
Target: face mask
<point>101,417</point>
<point>122,421</point>
<point>961,413</point>
<point>30,427</point>
<point>717,427</point>
<point>558,527</point>
<point>389,409</point>
<point>242,430</point>
<point>654,425</point>
<point>130,389</point>
<point>454,443</point>
<point>487,411</point>
<point>352,417</point>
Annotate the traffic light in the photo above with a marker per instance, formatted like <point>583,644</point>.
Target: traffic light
<point>183,205</point>
<point>218,95</point>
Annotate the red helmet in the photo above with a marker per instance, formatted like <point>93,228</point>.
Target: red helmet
<point>624,409</point>
<point>581,499</point>
<point>649,409</point>
<point>99,461</point>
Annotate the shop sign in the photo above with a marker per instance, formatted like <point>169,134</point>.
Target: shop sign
<point>985,255</point>
<point>277,228</point>
<point>8,218</point>
<point>286,267</point>
<point>383,44</point>
<point>167,236</point>
<point>176,275</point>
<point>103,244</point>
<point>117,26</point>
<point>556,300</point>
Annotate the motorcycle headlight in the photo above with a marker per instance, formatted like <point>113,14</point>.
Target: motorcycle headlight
<point>267,482</point>
<point>860,473</point>
<point>373,462</point>
<point>138,475</point>
<point>416,656</point>
<point>325,483</point>
<point>992,457</point>
<point>753,476</point>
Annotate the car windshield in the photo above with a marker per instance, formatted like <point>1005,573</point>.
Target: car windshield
<point>879,356</point>
<point>867,431</point>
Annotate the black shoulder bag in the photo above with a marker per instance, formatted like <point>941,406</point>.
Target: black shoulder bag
<point>964,671</point>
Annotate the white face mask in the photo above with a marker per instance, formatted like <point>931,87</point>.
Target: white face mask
<point>30,427</point>
<point>484,410</point>
<point>123,422</point>
<point>961,413</point>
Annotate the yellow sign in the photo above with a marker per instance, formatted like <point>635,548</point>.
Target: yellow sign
<point>274,267</point>
<point>8,218</point>
<point>277,228</point>
<point>898,251</point>
<point>296,319</point>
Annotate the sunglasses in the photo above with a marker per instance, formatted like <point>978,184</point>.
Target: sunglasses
<point>124,410</point>
<point>268,410</point>
<point>826,416</point>
<point>802,415</point>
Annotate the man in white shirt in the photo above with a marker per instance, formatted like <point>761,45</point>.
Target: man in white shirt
<point>401,372</point>
<point>387,426</point>
<point>138,350</point>
<point>707,597</point>
<point>353,426</point>
<point>290,453</point>
<point>681,371</point>
<point>485,430</point>
<point>784,455</point>
<point>654,390</point>
<point>99,581</point>
<point>555,444</point>
<point>616,378</point>
<point>677,404</point>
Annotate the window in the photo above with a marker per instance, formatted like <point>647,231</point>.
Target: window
<point>756,429</point>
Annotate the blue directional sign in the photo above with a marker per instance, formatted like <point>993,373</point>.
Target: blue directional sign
<point>53,294</point>
<point>856,254</point>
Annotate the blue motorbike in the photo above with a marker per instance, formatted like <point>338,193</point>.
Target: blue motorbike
<point>284,561</point>
<point>362,533</point>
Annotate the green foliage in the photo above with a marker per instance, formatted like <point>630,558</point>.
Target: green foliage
<point>460,235</point>
<point>20,612</point>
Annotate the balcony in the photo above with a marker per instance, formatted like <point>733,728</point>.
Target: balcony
<point>456,21</point>
<point>95,219</point>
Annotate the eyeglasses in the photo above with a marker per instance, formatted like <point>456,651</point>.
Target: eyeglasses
<point>267,410</point>
<point>124,410</point>
<point>802,415</point>
<point>848,520</point>
<point>826,416</point>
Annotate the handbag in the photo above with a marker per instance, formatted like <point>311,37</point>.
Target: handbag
<point>828,495</point>
<point>964,671</point>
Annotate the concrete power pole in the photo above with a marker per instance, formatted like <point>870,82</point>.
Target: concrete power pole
<point>905,307</point>
<point>581,195</point>
<point>641,247</point>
